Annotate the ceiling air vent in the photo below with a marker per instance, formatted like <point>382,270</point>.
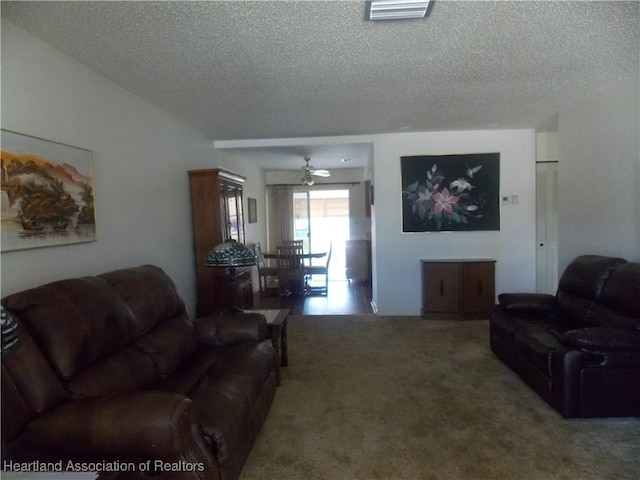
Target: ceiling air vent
<point>395,9</point>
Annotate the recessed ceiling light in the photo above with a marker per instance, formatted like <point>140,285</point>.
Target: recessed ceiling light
<point>395,9</point>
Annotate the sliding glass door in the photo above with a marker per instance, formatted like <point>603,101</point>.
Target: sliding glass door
<point>321,220</point>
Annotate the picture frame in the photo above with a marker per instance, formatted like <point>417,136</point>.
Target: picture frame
<point>368,197</point>
<point>252,210</point>
<point>456,192</point>
<point>47,193</point>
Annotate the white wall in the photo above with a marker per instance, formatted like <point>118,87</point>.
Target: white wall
<point>141,157</point>
<point>397,285</point>
<point>599,195</point>
<point>547,146</point>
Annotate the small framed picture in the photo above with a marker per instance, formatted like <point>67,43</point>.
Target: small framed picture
<point>252,210</point>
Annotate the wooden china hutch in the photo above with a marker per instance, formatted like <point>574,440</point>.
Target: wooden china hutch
<point>217,215</point>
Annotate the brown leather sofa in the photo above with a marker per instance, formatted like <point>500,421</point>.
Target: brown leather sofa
<point>580,349</point>
<point>110,372</point>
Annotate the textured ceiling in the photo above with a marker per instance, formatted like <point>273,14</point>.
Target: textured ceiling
<point>240,70</point>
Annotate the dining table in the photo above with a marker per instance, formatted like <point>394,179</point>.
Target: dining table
<point>296,287</point>
<point>274,255</point>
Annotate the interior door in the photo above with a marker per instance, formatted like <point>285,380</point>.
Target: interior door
<point>547,227</point>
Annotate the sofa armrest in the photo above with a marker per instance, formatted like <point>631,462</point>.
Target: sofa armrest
<point>217,330</point>
<point>532,302</point>
<point>599,339</point>
<point>142,425</point>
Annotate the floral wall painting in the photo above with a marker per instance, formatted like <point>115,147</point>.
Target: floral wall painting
<point>47,193</point>
<point>450,192</point>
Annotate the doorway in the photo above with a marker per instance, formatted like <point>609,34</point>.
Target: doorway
<point>546,227</point>
<point>321,221</point>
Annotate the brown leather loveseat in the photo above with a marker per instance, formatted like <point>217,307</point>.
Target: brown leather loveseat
<point>580,349</point>
<point>109,373</point>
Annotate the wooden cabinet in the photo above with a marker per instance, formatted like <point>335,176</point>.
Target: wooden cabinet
<point>458,289</point>
<point>358,260</point>
<point>217,215</point>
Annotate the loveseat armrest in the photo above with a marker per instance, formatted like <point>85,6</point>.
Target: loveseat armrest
<point>531,302</point>
<point>602,339</point>
<point>134,427</point>
<point>218,330</point>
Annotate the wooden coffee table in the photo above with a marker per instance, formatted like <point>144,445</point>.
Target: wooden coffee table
<point>277,332</point>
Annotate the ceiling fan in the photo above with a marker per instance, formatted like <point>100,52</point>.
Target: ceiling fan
<point>309,172</point>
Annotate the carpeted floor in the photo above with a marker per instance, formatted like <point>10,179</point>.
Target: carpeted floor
<point>406,398</point>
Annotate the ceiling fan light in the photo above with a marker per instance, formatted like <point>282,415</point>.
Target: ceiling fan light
<point>307,179</point>
<point>396,9</point>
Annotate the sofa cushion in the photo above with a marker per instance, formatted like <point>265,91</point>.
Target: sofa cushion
<point>234,379</point>
<point>188,375</point>
<point>574,310</point>
<point>587,275</point>
<point>536,344</point>
<point>15,412</point>
<point>31,376</point>
<point>74,322</point>
<point>169,344</point>
<point>582,284</point>
<point>150,294</point>
<point>619,304</point>
<point>164,335</point>
<point>125,371</point>
<point>508,322</point>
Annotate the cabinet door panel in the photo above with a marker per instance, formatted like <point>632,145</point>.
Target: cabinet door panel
<point>441,287</point>
<point>478,287</point>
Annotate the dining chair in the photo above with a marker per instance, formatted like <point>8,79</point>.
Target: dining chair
<point>294,243</point>
<point>320,270</point>
<point>298,243</point>
<point>291,271</point>
<point>265,272</point>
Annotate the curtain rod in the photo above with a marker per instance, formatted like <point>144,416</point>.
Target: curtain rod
<point>311,186</point>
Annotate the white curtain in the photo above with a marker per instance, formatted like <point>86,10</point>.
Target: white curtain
<point>280,201</point>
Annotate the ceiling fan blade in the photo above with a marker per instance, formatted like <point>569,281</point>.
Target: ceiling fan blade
<point>309,170</point>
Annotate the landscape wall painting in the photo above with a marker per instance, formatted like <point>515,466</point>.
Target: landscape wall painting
<point>450,192</point>
<point>47,193</point>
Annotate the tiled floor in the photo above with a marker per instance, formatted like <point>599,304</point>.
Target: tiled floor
<point>344,298</point>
